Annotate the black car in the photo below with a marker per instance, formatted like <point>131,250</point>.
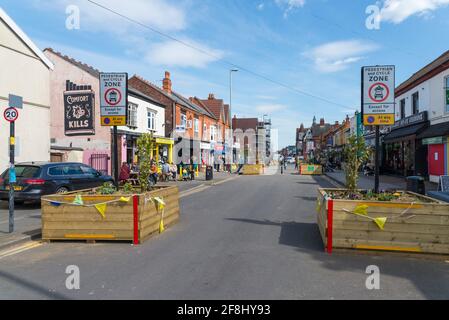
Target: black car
<point>36,179</point>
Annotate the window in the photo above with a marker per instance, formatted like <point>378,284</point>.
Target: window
<point>415,103</point>
<point>204,131</point>
<point>183,120</point>
<point>151,119</point>
<point>196,125</point>
<point>402,108</point>
<point>132,115</point>
<point>89,171</point>
<point>446,94</point>
<point>212,133</point>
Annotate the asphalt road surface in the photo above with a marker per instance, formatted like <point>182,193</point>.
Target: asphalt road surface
<point>249,238</point>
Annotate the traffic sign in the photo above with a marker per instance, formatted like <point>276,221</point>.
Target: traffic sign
<point>113,99</point>
<point>11,114</point>
<point>378,84</point>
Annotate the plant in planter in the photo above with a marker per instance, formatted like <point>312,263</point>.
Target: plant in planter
<point>145,146</point>
<point>356,152</point>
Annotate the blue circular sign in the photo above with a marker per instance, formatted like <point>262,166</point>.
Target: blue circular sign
<point>107,121</point>
<point>371,119</point>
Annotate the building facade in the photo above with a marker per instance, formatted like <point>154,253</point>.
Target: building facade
<point>25,72</point>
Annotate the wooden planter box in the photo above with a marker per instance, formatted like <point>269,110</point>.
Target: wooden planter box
<point>253,169</point>
<point>135,220</point>
<point>307,169</point>
<point>411,227</point>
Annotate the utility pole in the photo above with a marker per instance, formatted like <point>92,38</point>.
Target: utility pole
<point>230,109</point>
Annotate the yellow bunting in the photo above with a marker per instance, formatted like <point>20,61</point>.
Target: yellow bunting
<point>318,206</point>
<point>124,199</point>
<point>101,208</point>
<point>161,226</point>
<point>78,200</point>
<point>397,194</point>
<point>380,222</point>
<point>361,209</point>
<point>160,203</point>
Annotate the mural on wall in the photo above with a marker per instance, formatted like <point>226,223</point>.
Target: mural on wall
<point>79,112</point>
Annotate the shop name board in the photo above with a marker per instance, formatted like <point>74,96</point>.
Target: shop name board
<point>378,105</point>
<point>79,113</point>
<point>415,119</point>
<point>434,140</point>
<point>113,99</point>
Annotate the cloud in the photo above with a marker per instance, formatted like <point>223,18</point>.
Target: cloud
<point>160,14</point>
<point>173,53</point>
<point>289,5</point>
<point>270,108</point>
<point>261,6</point>
<point>396,11</point>
<point>339,55</point>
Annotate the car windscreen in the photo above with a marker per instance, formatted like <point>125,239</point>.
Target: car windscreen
<point>24,172</point>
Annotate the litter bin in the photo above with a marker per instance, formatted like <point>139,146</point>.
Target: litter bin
<point>209,173</point>
<point>416,184</point>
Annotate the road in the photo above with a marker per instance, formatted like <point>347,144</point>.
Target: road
<point>249,238</point>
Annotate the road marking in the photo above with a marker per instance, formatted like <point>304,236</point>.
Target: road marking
<point>19,249</point>
<point>193,191</point>
<point>223,181</point>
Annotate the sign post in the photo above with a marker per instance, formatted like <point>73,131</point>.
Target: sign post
<point>113,109</point>
<point>11,114</point>
<point>378,104</point>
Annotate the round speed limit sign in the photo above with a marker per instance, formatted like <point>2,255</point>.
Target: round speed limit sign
<point>11,114</point>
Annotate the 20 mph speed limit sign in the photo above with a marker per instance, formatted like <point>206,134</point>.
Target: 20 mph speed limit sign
<point>11,114</point>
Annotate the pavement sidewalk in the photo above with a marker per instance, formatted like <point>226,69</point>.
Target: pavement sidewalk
<point>27,220</point>
<point>386,182</point>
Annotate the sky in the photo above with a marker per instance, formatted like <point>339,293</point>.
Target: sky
<point>296,58</point>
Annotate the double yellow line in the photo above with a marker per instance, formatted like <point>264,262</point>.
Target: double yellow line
<point>26,246</point>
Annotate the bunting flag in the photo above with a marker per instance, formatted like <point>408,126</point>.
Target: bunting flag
<point>55,204</point>
<point>361,209</point>
<point>318,205</point>
<point>101,208</point>
<point>380,222</point>
<point>78,200</point>
<point>160,205</point>
<point>124,199</point>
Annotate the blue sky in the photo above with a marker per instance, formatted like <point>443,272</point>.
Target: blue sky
<point>313,46</point>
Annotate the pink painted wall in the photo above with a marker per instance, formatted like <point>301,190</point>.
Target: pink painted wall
<point>100,143</point>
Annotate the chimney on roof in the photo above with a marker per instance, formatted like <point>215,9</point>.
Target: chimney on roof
<point>322,122</point>
<point>166,83</point>
<point>337,123</point>
<point>211,96</point>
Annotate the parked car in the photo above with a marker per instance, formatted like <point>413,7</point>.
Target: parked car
<point>290,160</point>
<point>36,179</point>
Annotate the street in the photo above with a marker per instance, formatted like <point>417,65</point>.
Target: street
<point>252,237</point>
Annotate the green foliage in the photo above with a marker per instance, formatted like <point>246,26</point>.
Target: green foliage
<point>106,189</point>
<point>128,188</point>
<point>145,146</point>
<point>356,152</point>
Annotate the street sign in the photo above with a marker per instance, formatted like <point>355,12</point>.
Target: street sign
<point>378,85</point>
<point>113,99</point>
<point>11,114</point>
<point>15,101</point>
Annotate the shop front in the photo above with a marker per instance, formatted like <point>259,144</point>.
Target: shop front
<point>404,153</point>
<point>164,149</point>
<point>436,138</point>
<point>206,154</point>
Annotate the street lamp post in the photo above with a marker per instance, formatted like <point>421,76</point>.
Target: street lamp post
<point>231,71</point>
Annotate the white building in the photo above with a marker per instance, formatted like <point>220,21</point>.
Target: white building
<point>419,141</point>
<point>145,115</point>
<point>25,71</point>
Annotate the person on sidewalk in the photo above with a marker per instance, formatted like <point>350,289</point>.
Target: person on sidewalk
<point>125,172</point>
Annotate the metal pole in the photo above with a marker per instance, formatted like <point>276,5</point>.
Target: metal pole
<point>376,180</point>
<point>11,174</point>
<point>115,156</point>
<point>230,115</point>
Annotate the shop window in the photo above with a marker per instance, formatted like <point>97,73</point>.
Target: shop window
<point>415,103</point>
<point>132,115</point>
<point>196,125</point>
<point>151,120</point>
<point>446,94</point>
<point>183,120</point>
<point>402,108</point>
<point>212,133</point>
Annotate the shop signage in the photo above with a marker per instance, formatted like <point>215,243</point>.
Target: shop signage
<point>205,146</point>
<point>79,113</point>
<point>113,99</point>
<point>415,119</point>
<point>378,106</point>
<point>435,140</point>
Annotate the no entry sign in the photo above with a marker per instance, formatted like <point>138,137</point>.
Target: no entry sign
<point>113,98</point>
<point>378,84</point>
<point>11,114</point>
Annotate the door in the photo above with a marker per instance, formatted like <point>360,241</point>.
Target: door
<point>436,159</point>
<point>91,178</point>
<point>75,176</point>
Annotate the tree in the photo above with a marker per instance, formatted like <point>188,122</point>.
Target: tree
<point>145,146</point>
<point>356,152</point>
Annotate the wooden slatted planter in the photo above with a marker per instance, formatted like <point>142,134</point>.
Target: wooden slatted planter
<point>311,170</point>
<point>253,169</point>
<point>135,220</point>
<point>421,226</point>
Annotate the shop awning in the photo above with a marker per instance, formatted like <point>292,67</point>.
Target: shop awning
<point>407,132</point>
<point>437,130</point>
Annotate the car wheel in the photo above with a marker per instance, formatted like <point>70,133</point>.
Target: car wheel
<point>62,190</point>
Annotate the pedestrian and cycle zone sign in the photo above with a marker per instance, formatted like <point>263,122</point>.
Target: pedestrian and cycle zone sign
<point>378,83</point>
<point>113,99</point>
